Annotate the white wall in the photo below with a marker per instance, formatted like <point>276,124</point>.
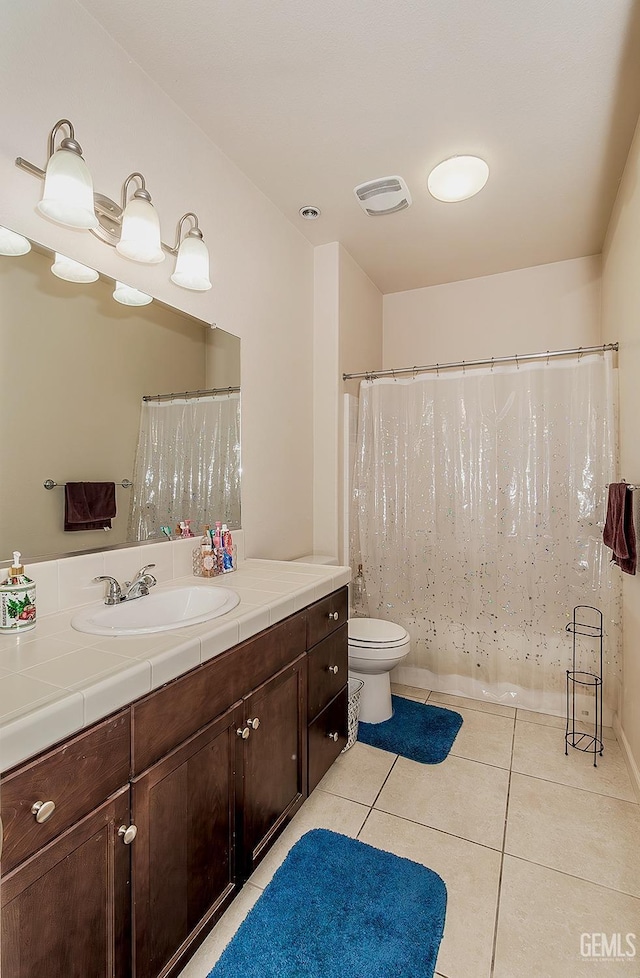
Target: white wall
<point>548,307</point>
<point>347,331</point>
<point>621,319</point>
<point>326,332</point>
<point>56,62</point>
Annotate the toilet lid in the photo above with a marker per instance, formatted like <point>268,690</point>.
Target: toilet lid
<point>376,631</point>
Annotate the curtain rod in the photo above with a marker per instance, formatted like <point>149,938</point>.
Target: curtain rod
<point>491,361</point>
<point>210,393</point>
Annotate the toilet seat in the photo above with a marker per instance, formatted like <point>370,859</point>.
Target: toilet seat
<point>376,633</point>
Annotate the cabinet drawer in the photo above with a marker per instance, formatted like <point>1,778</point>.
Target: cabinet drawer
<point>323,749</point>
<point>327,615</point>
<point>77,777</point>
<point>328,667</point>
<point>166,717</point>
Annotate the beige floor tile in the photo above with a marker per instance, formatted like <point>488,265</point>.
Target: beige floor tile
<point>359,773</point>
<point>539,751</point>
<point>484,737</point>
<point>411,692</point>
<point>459,796</point>
<point>542,917</point>
<point>544,719</point>
<point>591,836</point>
<point>547,720</point>
<point>483,706</point>
<point>320,811</point>
<point>212,947</point>
<point>471,874</point>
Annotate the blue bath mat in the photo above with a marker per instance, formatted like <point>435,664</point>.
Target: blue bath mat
<point>338,908</point>
<point>416,730</point>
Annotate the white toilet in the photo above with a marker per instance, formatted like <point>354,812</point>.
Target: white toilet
<point>376,647</point>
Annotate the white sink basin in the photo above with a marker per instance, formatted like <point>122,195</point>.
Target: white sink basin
<point>159,611</point>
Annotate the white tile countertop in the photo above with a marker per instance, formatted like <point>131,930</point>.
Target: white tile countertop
<point>55,680</point>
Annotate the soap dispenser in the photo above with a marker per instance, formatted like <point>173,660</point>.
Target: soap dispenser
<point>17,599</point>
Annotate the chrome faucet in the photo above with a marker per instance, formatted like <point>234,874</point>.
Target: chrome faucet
<point>114,593</point>
<point>137,588</point>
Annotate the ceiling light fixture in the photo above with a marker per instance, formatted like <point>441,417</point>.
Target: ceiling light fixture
<point>458,178</point>
<point>133,227</point>
<point>72,271</point>
<point>126,295</point>
<point>192,261</point>
<point>310,212</point>
<point>13,244</point>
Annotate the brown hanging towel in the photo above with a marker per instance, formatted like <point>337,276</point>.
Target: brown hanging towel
<point>619,532</point>
<point>89,505</point>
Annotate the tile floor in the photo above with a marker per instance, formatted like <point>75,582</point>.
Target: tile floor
<point>536,848</point>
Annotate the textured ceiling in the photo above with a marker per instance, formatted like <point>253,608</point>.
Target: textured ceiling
<point>310,99</point>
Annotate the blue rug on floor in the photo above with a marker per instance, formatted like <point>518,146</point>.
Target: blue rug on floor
<point>338,908</point>
<point>416,730</point>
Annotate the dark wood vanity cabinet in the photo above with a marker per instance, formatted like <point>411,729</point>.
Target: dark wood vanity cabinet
<point>202,775</point>
<point>184,869</point>
<point>274,763</point>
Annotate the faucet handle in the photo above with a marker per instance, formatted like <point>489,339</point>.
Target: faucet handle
<point>114,594</point>
<point>142,572</point>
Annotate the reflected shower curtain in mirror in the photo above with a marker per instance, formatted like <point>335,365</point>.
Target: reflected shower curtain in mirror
<point>187,465</point>
<point>478,507</point>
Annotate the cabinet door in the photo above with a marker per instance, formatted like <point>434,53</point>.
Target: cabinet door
<point>66,911</point>
<point>183,859</point>
<point>275,759</point>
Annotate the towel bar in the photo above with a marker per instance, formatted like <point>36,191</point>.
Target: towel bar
<point>50,484</point>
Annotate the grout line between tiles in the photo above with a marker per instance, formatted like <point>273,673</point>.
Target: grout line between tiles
<point>504,841</point>
<point>574,787</point>
<point>572,876</point>
<point>433,828</point>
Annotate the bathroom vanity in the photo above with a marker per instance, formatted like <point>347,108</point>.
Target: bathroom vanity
<point>124,843</point>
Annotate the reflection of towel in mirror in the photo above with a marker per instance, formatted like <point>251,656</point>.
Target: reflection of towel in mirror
<point>619,532</point>
<point>89,505</point>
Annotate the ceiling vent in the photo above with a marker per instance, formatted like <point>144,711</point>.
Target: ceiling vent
<point>387,195</point>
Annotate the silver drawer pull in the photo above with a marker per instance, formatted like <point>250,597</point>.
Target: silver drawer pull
<point>333,669</point>
<point>128,833</point>
<point>43,810</point>
<point>254,724</point>
<point>244,732</point>
<point>333,616</point>
<point>333,737</point>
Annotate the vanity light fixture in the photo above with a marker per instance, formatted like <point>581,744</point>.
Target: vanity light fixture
<point>13,244</point>
<point>126,295</point>
<point>458,178</point>
<point>140,235</point>
<point>73,271</point>
<point>68,188</point>
<point>192,261</point>
<point>132,227</point>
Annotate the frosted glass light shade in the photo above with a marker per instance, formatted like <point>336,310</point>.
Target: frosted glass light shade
<point>72,271</point>
<point>68,191</point>
<point>13,244</point>
<point>192,265</point>
<point>140,237</point>
<point>458,178</point>
<point>126,295</point>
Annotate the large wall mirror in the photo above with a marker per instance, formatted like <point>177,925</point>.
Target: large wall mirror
<point>75,369</point>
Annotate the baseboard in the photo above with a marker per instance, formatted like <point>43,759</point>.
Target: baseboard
<point>632,767</point>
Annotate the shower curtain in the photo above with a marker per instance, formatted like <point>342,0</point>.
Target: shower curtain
<point>187,465</point>
<point>478,506</point>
